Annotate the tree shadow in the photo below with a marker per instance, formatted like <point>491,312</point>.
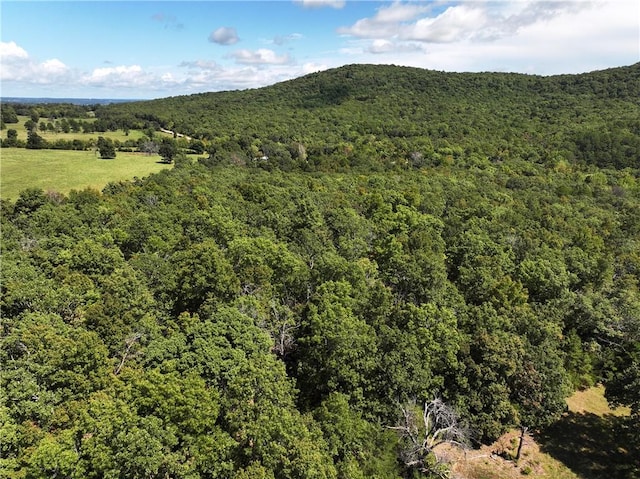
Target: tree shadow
<point>592,446</point>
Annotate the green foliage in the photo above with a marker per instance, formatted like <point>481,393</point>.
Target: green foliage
<point>35,141</point>
<point>12,138</point>
<point>167,150</point>
<point>377,116</point>
<point>202,272</point>
<point>336,347</point>
<point>106,148</point>
<point>250,318</point>
<point>9,114</point>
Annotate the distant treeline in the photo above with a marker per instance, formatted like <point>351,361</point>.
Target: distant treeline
<point>91,102</point>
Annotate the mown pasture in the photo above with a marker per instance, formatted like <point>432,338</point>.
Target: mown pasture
<point>52,136</point>
<point>63,170</point>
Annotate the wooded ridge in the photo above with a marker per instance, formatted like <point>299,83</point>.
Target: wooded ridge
<point>371,115</point>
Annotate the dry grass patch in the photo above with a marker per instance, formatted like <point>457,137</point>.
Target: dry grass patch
<point>495,461</point>
<point>592,401</point>
<point>588,442</point>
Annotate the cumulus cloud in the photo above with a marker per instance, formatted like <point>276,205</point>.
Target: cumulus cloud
<point>17,65</point>
<point>387,22</point>
<point>126,76</point>
<point>525,36</point>
<point>224,36</point>
<point>321,3</point>
<point>262,56</point>
<point>10,51</point>
<point>380,46</point>
<point>477,21</point>
<point>53,67</point>
<point>456,23</point>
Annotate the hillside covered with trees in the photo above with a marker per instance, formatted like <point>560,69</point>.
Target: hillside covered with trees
<point>364,116</point>
<point>366,262</point>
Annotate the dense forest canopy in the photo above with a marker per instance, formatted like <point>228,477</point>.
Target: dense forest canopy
<point>354,245</point>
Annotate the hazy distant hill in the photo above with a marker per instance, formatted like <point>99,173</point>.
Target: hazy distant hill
<point>73,101</point>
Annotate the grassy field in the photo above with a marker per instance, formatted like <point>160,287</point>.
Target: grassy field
<point>53,136</point>
<point>63,171</point>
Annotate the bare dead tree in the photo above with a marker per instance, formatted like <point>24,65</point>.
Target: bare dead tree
<point>523,432</point>
<point>129,342</point>
<point>282,330</point>
<point>279,323</point>
<point>424,431</point>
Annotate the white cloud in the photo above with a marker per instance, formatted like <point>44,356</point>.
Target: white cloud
<point>478,21</point>
<point>168,78</point>
<point>399,12</point>
<point>54,67</point>
<point>262,56</point>
<point>238,77</point>
<point>224,36</point>
<point>387,22</point>
<point>119,76</point>
<point>321,3</point>
<point>380,46</point>
<point>461,22</point>
<point>312,67</point>
<point>524,35</point>
<point>10,51</point>
<point>18,66</point>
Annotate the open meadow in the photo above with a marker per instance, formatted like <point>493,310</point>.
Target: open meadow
<point>53,136</point>
<point>63,170</point>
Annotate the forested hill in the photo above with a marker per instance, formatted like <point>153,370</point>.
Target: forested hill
<point>340,117</point>
<point>252,315</point>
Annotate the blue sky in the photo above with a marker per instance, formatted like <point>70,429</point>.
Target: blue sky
<point>153,49</point>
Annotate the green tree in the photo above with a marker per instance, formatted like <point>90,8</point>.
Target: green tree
<point>12,138</point>
<point>35,141</point>
<point>203,272</point>
<point>168,149</point>
<point>359,448</point>
<point>106,148</point>
<point>9,114</point>
<point>337,351</point>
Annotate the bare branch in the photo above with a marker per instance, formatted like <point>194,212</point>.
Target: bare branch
<point>440,425</point>
<point>129,342</point>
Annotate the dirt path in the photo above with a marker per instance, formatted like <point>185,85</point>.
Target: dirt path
<point>176,135</point>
